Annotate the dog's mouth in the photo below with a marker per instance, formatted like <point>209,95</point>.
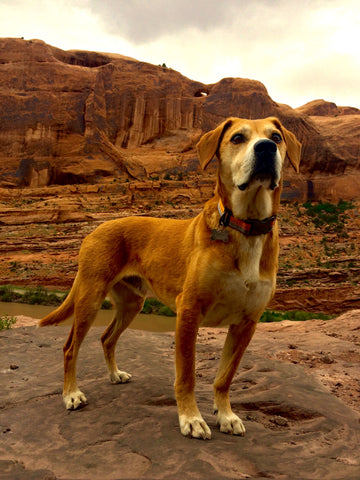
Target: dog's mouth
<point>268,180</point>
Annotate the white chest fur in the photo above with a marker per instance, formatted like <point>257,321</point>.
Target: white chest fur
<point>242,292</point>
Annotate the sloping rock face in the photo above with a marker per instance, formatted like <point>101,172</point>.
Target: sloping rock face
<point>339,127</point>
<point>321,108</point>
<point>85,117</point>
<point>288,390</point>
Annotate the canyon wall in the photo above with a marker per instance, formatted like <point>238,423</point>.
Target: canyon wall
<point>72,117</point>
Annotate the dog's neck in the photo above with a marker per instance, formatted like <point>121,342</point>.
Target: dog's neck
<point>250,227</point>
<point>256,203</point>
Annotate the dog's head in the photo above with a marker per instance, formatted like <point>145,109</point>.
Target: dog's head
<point>251,154</point>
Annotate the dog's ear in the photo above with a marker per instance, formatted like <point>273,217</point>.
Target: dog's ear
<point>293,149</point>
<point>293,146</point>
<point>209,143</point>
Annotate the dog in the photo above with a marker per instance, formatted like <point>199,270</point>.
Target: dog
<point>217,269</point>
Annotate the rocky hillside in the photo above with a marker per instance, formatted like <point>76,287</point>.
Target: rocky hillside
<point>86,137</point>
<point>41,230</point>
<point>75,117</point>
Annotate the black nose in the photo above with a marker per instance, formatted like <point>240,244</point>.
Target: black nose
<point>265,147</point>
<point>264,165</point>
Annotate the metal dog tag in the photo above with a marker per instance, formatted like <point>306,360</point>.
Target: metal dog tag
<point>222,235</point>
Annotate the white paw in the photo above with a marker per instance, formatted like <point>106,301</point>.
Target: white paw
<point>119,377</point>
<point>195,427</point>
<point>230,423</point>
<point>75,400</point>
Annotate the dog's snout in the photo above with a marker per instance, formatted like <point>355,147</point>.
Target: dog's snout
<point>264,167</point>
<point>265,147</point>
<point>265,152</point>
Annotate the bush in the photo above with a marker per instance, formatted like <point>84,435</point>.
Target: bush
<point>106,305</point>
<point>294,315</point>
<point>6,322</point>
<point>32,296</point>
<point>39,296</point>
<point>329,215</point>
<point>155,307</point>
<point>7,294</point>
<point>165,311</point>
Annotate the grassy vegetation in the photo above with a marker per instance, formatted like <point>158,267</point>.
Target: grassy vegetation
<point>294,315</point>
<point>157,308</point>
<point>31,296</point>
<point>37,296</point>
<point>6,321</point>
<point>40,296</point>
<point>328,216</point>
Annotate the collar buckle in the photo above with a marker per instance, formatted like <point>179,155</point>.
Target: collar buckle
<point>225,217</point>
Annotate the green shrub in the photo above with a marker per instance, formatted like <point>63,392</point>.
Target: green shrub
<point>329,215</point>
<point>7,294</point>
<point>155,307</point>
<point>32,296</point>
<point>106,305</point>
<point>39,296</point>
<point>294,315</point>
<point>166,311</point>
<point>6,322</point>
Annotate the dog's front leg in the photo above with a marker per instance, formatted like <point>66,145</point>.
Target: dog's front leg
<point>191,422</point>
<point>237,340</point>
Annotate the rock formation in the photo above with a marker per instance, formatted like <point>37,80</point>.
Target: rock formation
<point>321,108</point>
<point>70,117</point>
<point>296,390</point>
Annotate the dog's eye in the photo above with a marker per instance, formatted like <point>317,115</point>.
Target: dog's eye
<point>276,137</point>
<point>237,138</point>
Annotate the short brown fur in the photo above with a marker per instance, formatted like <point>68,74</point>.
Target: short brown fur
<point>208,282</point>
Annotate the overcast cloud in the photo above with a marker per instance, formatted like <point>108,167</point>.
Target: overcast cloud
<point>140,21</point>
<point>300,49</point>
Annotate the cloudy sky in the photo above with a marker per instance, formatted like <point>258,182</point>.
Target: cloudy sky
<point>301,50</point>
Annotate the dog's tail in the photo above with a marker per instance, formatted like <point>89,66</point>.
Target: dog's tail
<point>64,311</point>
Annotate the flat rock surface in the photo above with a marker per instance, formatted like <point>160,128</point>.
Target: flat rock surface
<point>287,391</point>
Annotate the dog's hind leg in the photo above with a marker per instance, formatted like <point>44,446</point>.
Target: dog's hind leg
<point>86,307</point>
<point>128,304</point>
<point>237,340</point>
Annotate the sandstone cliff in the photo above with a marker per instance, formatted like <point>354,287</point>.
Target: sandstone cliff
<point>70,117</point>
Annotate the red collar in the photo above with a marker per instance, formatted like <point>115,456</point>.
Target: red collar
<point>249,227</point>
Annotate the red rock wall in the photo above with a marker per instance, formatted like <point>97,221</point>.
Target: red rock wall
<point>79,117</point>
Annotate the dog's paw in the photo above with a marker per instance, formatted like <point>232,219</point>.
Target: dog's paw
<point>231,424</point>
<point>75,400</point>
<point>195,427</point>
<point>119,377</point>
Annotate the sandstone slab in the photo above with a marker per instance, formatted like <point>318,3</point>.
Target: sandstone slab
<point>296,428</point>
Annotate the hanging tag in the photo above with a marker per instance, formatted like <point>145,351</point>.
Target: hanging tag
<point>221,235</point>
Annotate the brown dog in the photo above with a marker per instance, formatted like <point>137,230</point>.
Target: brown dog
<point>217,269</point>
